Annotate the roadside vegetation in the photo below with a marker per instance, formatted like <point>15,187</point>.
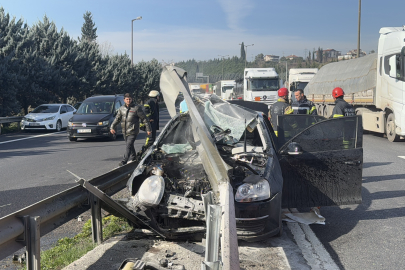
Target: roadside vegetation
<point>10,128</point>
<point>41,64</point>
<point>68,250</point>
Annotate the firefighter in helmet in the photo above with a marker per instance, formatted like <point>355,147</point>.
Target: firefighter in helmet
<point>342,108</point>
<point>280,107</point>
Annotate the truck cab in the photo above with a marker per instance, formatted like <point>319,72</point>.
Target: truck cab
<point>298,79</point>
<point>261,84</point>
<point>226,89</point>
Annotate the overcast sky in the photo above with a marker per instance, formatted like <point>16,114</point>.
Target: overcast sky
<point>175,30</point>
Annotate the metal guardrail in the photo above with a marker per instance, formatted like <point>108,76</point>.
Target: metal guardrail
<point>19,228</point>
<point>4,120</point>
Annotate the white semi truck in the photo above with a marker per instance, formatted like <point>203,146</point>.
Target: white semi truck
<point>373,84</point>
<point>298,78</point>
<point>260,84</point>
<point>226,89</point>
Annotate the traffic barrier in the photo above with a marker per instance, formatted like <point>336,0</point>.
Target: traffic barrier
<point>5,120</point>
<point>24,227</point>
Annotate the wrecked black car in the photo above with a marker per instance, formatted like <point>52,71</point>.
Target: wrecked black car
<point>313,162</point>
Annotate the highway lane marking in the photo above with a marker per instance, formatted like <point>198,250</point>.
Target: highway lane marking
<point>43,135</point>
<point>312,249</point>
<point>402,157</point>
<point>5,205</point>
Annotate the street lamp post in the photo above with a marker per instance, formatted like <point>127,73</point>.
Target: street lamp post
<point>358,32</point>
<point>246,51</point>
<point>132,38</point>
<point>223,64</point>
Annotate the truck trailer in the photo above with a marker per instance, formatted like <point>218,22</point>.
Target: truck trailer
<point>373,84</point>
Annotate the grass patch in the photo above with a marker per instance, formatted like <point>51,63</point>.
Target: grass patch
<point>68,250</point>
<point>10,128</point>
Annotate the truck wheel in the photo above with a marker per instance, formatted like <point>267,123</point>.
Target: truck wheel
<point>390,128</point>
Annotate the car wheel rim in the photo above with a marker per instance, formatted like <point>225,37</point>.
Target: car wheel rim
<point>58,126</point>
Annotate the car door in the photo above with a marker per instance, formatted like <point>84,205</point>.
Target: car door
<point>321,164</point>
<point>63,114</point>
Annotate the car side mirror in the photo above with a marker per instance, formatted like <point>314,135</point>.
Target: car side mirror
<point>293,149</point>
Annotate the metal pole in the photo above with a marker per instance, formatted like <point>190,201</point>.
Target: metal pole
<point>96,221</point>
<point>132,38</point>
<point>358,32</point>
<point>32,238</point>
<point>223,56</point>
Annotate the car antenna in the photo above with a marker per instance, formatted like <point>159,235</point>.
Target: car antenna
<point>244,143</point>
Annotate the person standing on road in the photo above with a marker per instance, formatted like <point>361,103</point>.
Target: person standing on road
<point>130,115</point>
<point>280,107</point>
<point>302,105</point>
<point>342,108</point>
<point>152,112</point>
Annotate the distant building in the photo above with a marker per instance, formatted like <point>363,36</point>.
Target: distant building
<point>271,58</point>
<point>354,53</point>
<point>331,53</point>
<point>292,57</point>
<point>351,54</point>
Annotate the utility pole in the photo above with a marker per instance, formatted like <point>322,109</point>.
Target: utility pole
<point>358,32</point>
<point>132,38</point>
<point>223,56</point>
<point>246,51</point>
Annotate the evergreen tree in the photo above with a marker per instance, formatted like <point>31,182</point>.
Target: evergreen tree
<point>242,52</point>
<point>89,31</point>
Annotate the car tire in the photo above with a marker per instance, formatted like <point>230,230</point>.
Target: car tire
<point>58,126</point>
<point>72,139</point>
<point>390,128</point>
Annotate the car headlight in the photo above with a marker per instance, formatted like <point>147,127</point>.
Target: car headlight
<point>250,192</point>
<point>46,119</point>
<point>70,124</point>
<point>151,191</point>
<point>104,123</point>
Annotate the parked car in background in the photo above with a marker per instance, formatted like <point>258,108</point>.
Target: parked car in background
<point>94,117</point>
<point>48,117</point>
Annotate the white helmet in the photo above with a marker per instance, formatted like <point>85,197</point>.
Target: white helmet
<point>154,93</point>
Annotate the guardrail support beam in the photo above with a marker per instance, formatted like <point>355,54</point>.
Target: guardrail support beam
<point>213,220</point>
<point>96,219</point>
<point>32,238</point>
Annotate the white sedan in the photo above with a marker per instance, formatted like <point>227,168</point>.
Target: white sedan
<point>48,117</point>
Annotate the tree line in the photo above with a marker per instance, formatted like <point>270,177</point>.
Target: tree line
<point>41,64</point>
<point>231,68</point>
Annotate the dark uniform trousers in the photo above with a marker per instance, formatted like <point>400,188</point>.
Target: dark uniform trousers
<point>130,154</point>
<point>152,137</point>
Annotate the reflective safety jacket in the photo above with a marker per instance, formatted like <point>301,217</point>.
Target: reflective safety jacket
<point>304,106</point>
<point>152,111</point>
<point>342,108</point>
<point>281,107</point>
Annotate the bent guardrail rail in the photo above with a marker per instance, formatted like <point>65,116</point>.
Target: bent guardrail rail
<point>4,120</point>
<point>55,211</point>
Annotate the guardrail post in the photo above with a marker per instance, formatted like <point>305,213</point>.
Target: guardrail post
<point>96,220</point>
<point>32,242</point>
<point>213,216</point>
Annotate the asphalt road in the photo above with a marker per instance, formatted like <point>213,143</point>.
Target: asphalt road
<point>366,236</point>
<point>371,235</point>
<point>33,166</point>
